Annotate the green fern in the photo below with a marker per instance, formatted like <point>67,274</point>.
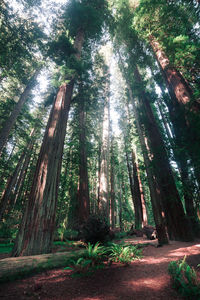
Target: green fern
<point>184,279</point>
<point>123,253</point>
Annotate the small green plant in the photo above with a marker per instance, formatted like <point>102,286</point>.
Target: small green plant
<point>184,279</point>
<point>96,253</point>
<point>92,259</point>
<point>6,248</point>
<point>80,267</point>
<point>124,254</point>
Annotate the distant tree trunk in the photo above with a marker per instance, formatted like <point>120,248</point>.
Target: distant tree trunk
<point>83,189</point>
<point>5,131</point>
<point>7,193</point>
<point>35,235</point>
<point>60,215</point>
<point>138,190</point>
<point>177,224</point>
<point>120,204</point>
<point>22,175</point>
<point>137,204</point>
<point>112,187</point>
<point>104,181</point>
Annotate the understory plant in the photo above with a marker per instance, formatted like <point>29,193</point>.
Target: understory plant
<point>95,253</point>
<point>92,259</point>
<point>124,254</point>
<point>184,279</point>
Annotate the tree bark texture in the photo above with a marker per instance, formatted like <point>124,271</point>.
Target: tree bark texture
<point>177,223</point>
<point>183,108</point>
<point>175,80</point>
<point>181,158</point>
<point>158,213</point>
<point>5,131</point>
<point>35,235</point>
<point>83,190</point>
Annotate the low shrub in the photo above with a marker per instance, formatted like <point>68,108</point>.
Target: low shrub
<point>184,279</point>
<point>95,230</point>
<point>120,235</point>
<point>70,234</point>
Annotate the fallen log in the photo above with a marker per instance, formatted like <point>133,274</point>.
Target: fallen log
<point>16,267</point>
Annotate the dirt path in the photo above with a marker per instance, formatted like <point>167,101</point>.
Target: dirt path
<point>146,279</point>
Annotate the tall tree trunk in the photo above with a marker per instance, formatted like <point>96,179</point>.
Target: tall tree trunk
<point>177,223</point>
<point>158,212</point>
<point>175,81</point>
<point>136,189</point>
<point>104,181</point>
<point>83,190</point>
<point>35,235</point>
<point>183,109</point>
<point>5,131</point>
<point>181,159</point>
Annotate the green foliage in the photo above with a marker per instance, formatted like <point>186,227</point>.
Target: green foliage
<point>91,260</point>
<point>70,234</point>
<point>95,230</point>
<point>60,49</point>
<point>8,229</point>
<point>95,253</point>
<point>6,248</point>
<point>80,267</point>
<point>124,254</point>
<point>184,279</point>
<point>86,15</point>
<point>120,235</point>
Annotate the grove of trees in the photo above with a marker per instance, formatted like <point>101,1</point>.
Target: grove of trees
<point>70,69</point>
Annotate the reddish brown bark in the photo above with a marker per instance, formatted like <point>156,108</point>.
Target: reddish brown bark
<point>35,235</point>
<point>183,108</point>
<point>158,212</point>
<point>181,158</point>
<point>175,80</point>
<point>177,224</point>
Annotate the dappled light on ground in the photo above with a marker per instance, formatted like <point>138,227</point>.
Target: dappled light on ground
<point>146,278</point>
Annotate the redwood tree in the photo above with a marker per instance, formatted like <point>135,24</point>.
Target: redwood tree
<point>35,235</point>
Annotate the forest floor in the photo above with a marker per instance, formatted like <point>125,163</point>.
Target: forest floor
<point>146,278</point>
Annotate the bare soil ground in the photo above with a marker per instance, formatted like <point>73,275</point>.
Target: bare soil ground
<point>144,279</point>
